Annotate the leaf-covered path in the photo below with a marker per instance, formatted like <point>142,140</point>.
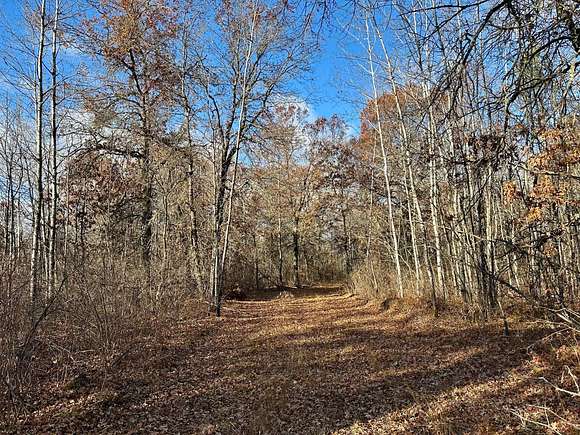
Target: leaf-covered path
<point>319,362</point>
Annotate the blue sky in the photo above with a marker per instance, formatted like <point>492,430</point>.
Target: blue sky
<point>339,83</point>
<point>332,87</point>
<point>327,90</point>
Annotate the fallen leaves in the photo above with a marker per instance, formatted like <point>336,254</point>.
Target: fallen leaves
<point>319,362</point>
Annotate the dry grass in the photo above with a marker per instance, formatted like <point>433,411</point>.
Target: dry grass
<point>320,362</point>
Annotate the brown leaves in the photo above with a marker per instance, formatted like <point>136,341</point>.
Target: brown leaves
<point>321,362</point>
<point>510,191</point>
<point>134,37</point>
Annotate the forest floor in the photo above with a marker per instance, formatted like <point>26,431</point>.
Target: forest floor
<point>320,361</point>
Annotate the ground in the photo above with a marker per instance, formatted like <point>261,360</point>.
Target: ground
<point>317,361</point>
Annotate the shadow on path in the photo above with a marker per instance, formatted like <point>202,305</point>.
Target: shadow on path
<point>318,362</point>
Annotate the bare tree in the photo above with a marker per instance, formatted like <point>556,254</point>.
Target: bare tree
<point>52,281</point>
<point>38,208</point>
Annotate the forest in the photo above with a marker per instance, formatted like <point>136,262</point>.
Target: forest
<point>289,216</point>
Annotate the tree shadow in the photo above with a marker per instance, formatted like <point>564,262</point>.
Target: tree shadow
<point>285,292</point>
<point>314,368</point>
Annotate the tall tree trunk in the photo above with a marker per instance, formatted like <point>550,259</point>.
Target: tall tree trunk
<point>433,203</point>
<point>37,215</point>
<point>216,269</point>
<point>147,217</point>
<point>406,146</point>
<point>346,244</point>
<point>280,253</point>
<point>394,236</point>
<point>256,261</point>
<point>53,149</point>
<point>195,254</point>
<point>296,245</point>
<point>238,141</point>
<point>195,258</point>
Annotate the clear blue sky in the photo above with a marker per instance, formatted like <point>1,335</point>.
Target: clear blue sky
<point>339,83</point>
<point>330,88</point>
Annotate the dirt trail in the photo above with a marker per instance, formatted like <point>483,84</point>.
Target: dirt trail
<point>319,362</point>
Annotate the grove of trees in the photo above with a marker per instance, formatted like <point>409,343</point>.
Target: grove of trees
<point>153,152</point>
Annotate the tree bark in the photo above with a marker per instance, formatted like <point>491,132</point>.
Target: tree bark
<point>37,216</point>
<point>53,149</point>
<point>296,248</point>
<point>394,236</point>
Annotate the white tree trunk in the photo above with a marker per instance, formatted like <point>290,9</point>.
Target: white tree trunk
<point>53,157</point>
<point>385,165</point>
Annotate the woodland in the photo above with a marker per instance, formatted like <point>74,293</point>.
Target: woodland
<point>187,246</point>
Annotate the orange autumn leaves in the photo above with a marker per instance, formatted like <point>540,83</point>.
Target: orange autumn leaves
<point>555,172</point>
